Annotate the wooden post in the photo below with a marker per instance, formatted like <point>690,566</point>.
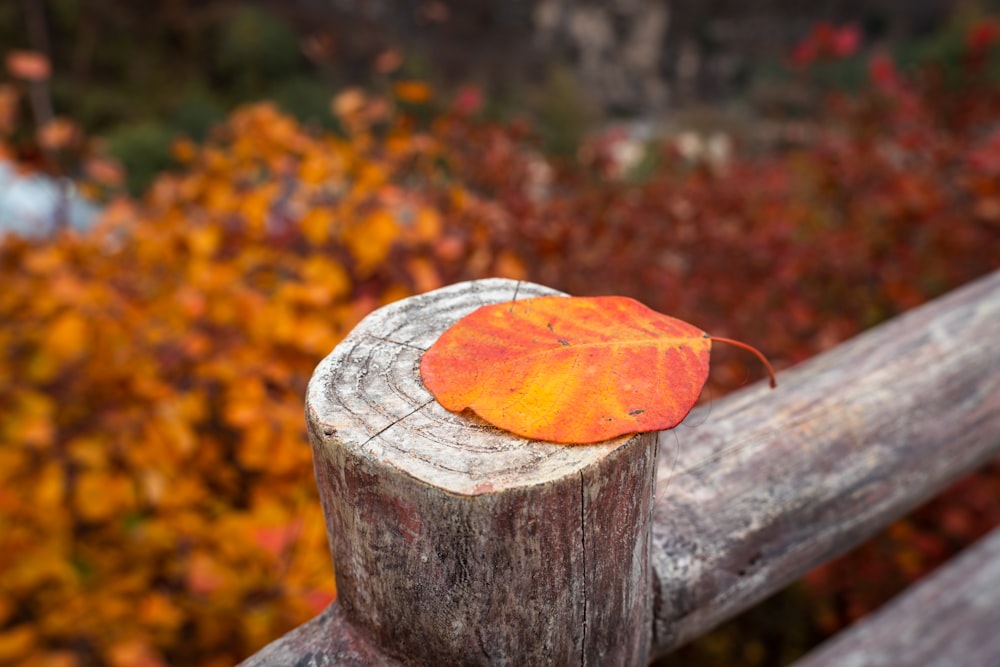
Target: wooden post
<point>455,543</point>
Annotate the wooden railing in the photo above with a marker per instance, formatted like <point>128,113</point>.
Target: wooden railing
<point>457,544</point>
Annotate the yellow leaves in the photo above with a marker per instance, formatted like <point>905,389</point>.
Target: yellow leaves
<point>50,487</point>
<point>204,240</point>
<point>413,92</point>
<point>428,225</point>
<point>371,240</point>
<point>153,378</point>
<point>246,402</point>
<point>67,338</point>
<point>323,271</point>
<point>45,260</point>
<point>315,335</point>
<point>204,574</point>
<point>317,225</point>
<point>424,274</point>
<point>135,653</point>
<point>318,167</point>
<point>159,613</point>
<point>6,609</point>
<point>183,150</point>
<point>40,568</point>
<point>30,421</point>
<point>508,265</point>
<point>256,205</point>
<point>277,540</point>
<point>101,495</point>
<point>353,108</point>
<point>17,643</point>
<point>348,102</point>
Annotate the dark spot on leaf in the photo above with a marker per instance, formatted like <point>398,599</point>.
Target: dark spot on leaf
<point>563,342</point>
<point>636,412</point>
<point>549,325</point>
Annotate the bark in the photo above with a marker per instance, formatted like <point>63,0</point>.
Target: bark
<point>457,543</point>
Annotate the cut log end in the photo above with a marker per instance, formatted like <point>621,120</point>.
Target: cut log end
<point>367,396</point>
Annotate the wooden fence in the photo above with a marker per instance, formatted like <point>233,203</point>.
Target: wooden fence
<point>457,544</point>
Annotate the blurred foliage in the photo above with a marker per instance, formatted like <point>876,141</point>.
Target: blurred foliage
<point>156,498</point>
<point>145,148</point>
<point>255,45</point>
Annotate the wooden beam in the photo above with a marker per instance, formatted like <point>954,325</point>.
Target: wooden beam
<point>327,640</point>
<point>762,486</point>
<point>950,619</point>
<point>455,541</point>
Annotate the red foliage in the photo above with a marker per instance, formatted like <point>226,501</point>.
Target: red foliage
<point>896,202</point>
<point>827,41</point>
<point>152,373</point>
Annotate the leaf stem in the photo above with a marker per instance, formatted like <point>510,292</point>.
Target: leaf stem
<point>751,348</point>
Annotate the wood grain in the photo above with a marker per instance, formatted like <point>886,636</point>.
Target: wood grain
<point>766,485</point>
<point>950,619</point>
<point>326,641</point>
<point>457,543</point>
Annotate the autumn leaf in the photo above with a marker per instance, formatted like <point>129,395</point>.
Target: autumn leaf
<point>29,65</point>
<point>413,92</point>
<point>572,370</point>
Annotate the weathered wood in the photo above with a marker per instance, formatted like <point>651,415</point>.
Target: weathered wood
<point>950,619</point>
<point>326,641</point>
<point>764,485</point>
<point>753,490</point>
<point>457,543</point>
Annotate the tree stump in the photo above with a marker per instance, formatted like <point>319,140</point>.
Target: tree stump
<point>455,543</point>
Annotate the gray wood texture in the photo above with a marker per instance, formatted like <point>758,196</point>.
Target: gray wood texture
<point>457,543</point>
<point>326,641</point>
<point>438,523</point>
<point>760,487</point>
<point>950,619</point>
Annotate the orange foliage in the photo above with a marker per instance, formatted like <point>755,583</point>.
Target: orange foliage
<point>157,504</point>
<point>156,496</point>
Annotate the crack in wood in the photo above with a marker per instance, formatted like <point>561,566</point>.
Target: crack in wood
<point>397,342</point>
<point>583,543</point>
<point>386,428</point>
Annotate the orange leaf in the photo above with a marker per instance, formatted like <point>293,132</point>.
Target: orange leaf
<point>16,643</point>
<point>414,92</point>
<point>135,653</point>
<point>58,134</point>
<point>349,102</point>
<point>29,65</point>
<point>568,369</point>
